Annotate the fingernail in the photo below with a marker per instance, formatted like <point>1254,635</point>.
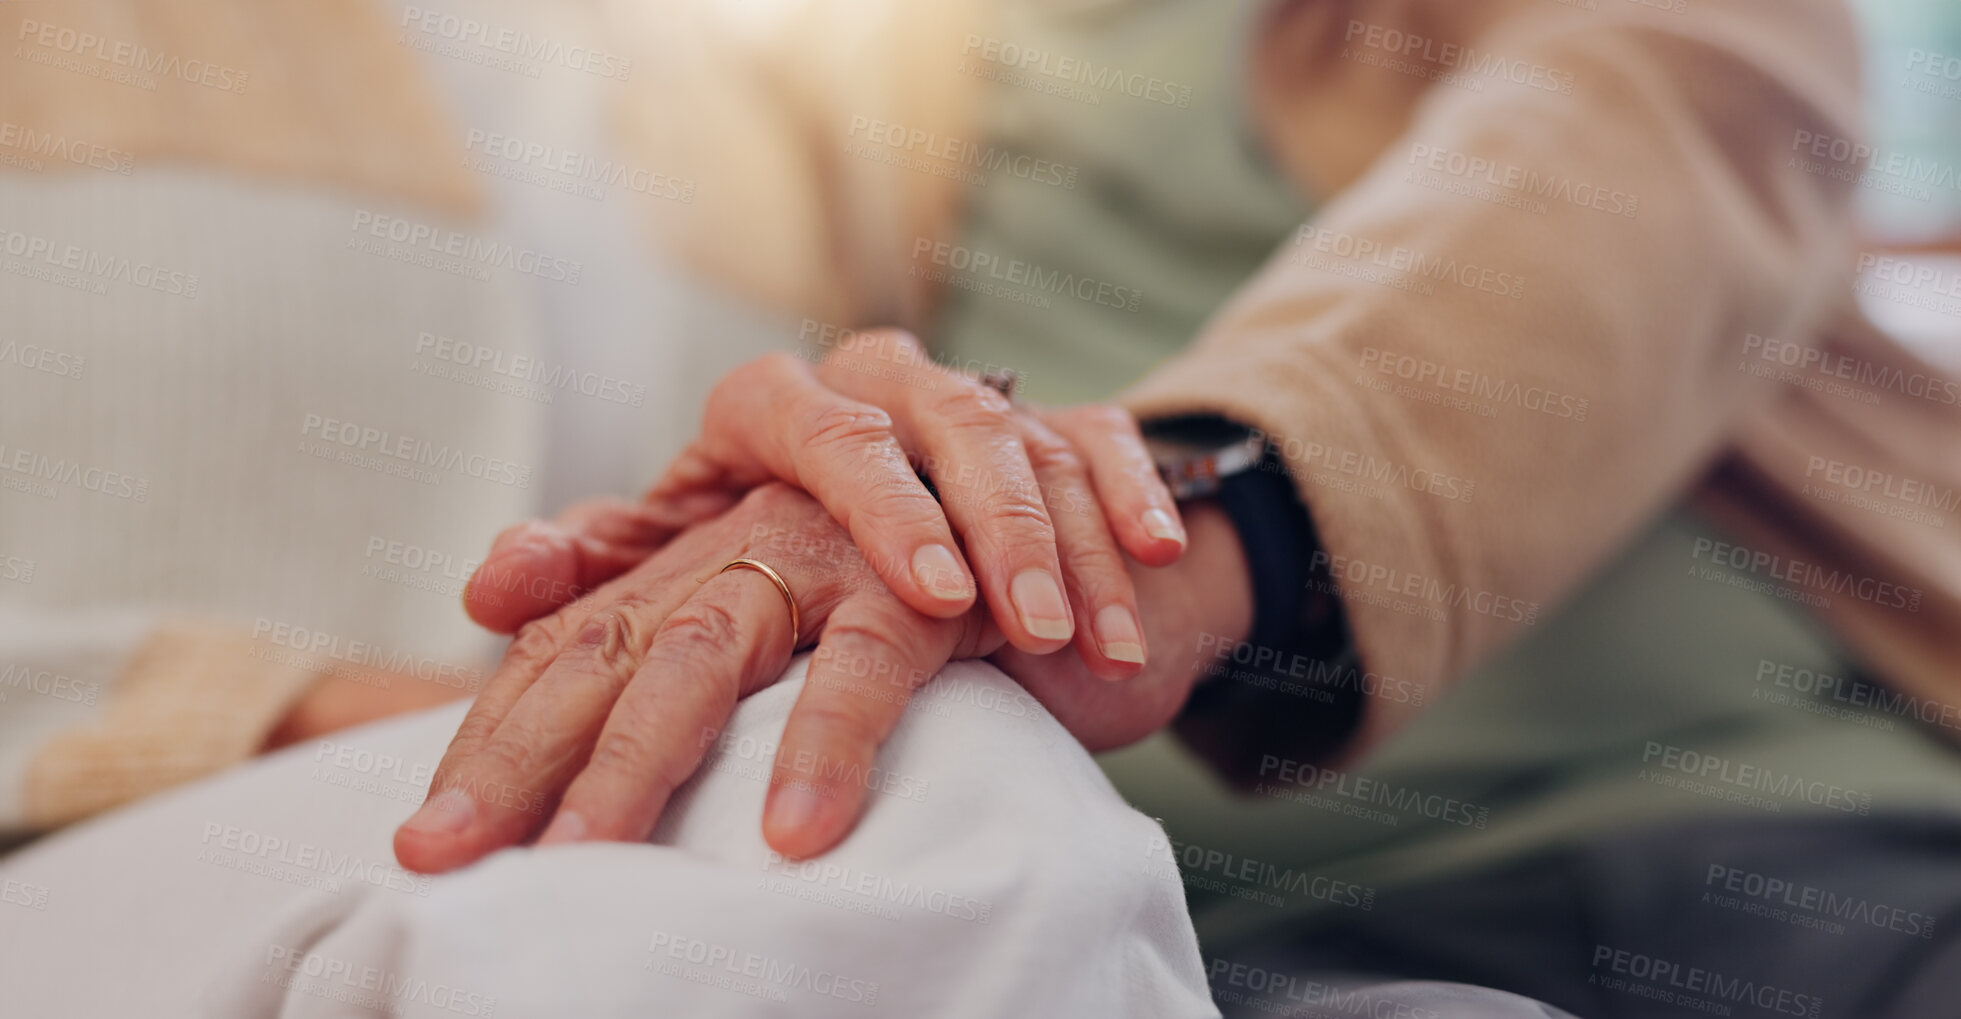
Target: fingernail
<point>566,826</point>
<point>792,808</point>
<point>449,812</point>
<point>939,572</point>
<point>1040,605</point>
<point>1117,635</point>
<point>1160,525</point>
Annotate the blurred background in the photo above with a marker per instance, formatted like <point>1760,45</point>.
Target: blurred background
<point>296,318</point>
<point>1913,83</point>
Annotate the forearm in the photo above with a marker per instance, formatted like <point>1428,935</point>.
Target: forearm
<point>1409,491</point>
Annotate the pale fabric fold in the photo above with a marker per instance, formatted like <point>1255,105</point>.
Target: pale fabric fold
<point>996,873</point>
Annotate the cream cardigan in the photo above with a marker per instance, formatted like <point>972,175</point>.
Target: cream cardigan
<point>247,438</point>
<point>192,542</point>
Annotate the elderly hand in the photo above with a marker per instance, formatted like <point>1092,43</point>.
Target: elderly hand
<point>605,707</point>
<point>1046,503</point>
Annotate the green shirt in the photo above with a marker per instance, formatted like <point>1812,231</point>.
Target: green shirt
<point>1159,202</point>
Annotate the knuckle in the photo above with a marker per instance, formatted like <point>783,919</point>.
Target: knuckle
<point>1049,454</point>
<point>640,738</point>
<point>970,634</point>
<point>965,404</point>
<point>612,639</point>
<point>625,749</point>
<point>702,655</point>
<point>1020,510</point>
<point>699,626</point>
<point>508,753</point>
<point>536,641</point>
<point>889,498</point>
<point>844,424</point>
<point>476,728</point>
<point>1099,560</point>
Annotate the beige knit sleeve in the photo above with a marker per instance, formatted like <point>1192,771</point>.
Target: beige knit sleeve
<point>192,699</point>
<point>1594,321</point>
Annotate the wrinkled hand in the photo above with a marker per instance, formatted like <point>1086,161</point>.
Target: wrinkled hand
<point>1047,503</point>
<point>604,708</point>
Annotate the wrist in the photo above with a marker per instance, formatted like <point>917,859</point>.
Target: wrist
<point>1284,683</point>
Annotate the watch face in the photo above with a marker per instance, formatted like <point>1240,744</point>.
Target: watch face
<point>1176,443</point>
<point>1195,455</point>
<point>1206,433</point>
<point>1166,450</point>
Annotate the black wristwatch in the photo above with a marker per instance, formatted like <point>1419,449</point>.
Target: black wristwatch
<point>1292,688</point>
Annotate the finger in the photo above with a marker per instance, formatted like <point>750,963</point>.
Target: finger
<point>547,730</point>
<point>540,744</point>
<point>1100,591</point>
<point>970,446</point>
<point>843,452</point>
<point>531,569</point>
<point>642,525</point>
<point>535,567</point>
<point>1139,506</point>
<point>730,638</point>
<point>442,834</point>
<point>422,842</point>
<point>874,653</point>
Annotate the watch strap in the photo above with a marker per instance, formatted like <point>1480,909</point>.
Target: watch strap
<point>1291,689</point>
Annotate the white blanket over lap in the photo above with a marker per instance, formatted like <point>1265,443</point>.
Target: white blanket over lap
<point>995,874</point>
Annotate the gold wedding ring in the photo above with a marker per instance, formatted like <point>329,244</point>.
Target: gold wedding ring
<point>796,618</point>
